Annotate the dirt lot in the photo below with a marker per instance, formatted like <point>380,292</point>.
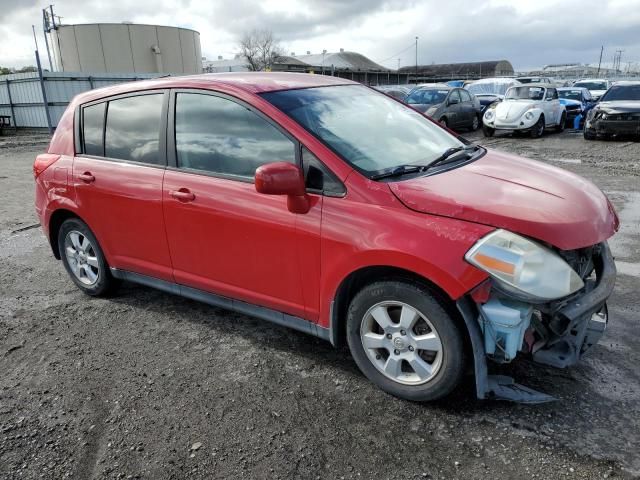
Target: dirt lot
<point>148,385</point>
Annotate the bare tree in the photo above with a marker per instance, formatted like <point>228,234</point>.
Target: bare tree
<point>261,49</point>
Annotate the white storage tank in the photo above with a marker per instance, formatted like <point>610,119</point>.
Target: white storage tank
<point>125,48</point>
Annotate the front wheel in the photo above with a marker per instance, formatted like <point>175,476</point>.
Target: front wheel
<point>83,258</point>
<point>488,131</point>
<point>588,134</point>
<point>404,341</point>
<point>562,124</point>
<point>538,129</point>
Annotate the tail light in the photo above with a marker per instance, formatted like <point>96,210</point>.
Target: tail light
<point>43,161</point>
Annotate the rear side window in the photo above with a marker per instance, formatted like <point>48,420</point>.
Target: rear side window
<point>217,135</point>
<point>92,129</point>
<point>133,128</point>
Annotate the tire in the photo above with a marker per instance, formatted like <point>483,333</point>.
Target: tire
<point>488,131</point>
<point>475,124</point>
<point>588,134</point>
<point>538,129</point>
<point>443,122</point>
<point>563,120</point>
<point>84,260</point>
<point>439,365</point>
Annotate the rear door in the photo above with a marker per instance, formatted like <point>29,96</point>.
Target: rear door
<point>117,175</point>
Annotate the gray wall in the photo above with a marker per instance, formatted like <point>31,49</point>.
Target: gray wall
<point>122,48</point>
<point>21,93</point>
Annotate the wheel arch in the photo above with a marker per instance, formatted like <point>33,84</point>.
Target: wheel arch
<point>358,279</point>
<point>55,222</point>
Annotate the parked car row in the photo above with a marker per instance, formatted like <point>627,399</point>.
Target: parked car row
<point>527,104</point>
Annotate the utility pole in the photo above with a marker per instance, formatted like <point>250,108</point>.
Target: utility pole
<point>416,59</point>
<point>600,62</point>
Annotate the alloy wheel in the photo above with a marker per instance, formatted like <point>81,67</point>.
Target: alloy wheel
<point>82,258</point>
<point>401,343</point>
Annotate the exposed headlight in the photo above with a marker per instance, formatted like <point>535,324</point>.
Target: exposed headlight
<point>528,115</point>
<point>603,116</point>
<point>489,114</point>
<point>525,266</point>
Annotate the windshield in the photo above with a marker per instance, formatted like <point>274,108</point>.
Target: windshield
<point>371,131</point>
<point>571,94</point>
<point>622,92</point>
<point>591,85</point>
<point>427,95</point>
<point>489,88</point>
<point>525,93</point>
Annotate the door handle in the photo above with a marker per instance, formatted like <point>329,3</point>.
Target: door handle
<point>183,195</point>
<point>86,177</point>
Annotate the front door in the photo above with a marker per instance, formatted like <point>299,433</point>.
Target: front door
<point>225,237</point>
<point>117,176</point>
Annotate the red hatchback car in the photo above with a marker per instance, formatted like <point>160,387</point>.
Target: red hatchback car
<point>320,204</point>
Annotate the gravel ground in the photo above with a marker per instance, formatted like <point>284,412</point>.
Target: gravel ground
<point>149,385</point>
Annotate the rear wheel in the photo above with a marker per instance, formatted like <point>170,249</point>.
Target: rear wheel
<point>538,129</point>
<point>475,123</point>
<point>83,258</point>
<point>404,341</point>
<point>443,122</point>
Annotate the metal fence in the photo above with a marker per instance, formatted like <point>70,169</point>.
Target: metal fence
<point>22,95</point>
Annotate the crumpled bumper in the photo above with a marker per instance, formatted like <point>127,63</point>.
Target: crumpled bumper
<point>578,324</point>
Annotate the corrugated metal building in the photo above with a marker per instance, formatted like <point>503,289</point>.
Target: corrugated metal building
<point>352,65</point>
<point>125,48</point>
<point>460,71</point>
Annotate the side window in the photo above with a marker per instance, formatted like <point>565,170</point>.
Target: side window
<point>218,135</point>
<point>465,96</point>
<point>92,129</point>
<point>319,178</point>
<point>454,97</point>
<point>133,128</point>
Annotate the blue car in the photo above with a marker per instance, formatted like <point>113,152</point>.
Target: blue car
<point>577,102</point>
<point>456,83</point>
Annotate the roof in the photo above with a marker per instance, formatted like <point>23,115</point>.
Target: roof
<point>341,60</point>
<point>496,80</point>
<point>461,69</point>
<point>251,82</point>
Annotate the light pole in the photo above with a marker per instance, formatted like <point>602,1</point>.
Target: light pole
<point>323,54</point>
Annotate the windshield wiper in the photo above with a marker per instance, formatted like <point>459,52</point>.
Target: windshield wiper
<point>400,170</point>
<point>446,157</point>
<point>450,154</point>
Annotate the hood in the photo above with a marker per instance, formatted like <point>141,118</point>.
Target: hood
<point>423,107</point>
<point>620,106</point>
<point>524,196</point>
<point>568,101</point>
<point>597,93</point>
<point>513,109</point>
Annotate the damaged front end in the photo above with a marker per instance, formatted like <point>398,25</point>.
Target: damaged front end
<point>508,314</point>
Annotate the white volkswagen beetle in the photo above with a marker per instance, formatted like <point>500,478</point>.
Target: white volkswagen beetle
<point>531,107</point>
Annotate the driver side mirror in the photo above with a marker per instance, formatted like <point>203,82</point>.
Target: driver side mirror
<point>283,178</point>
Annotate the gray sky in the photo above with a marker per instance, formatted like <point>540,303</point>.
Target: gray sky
<point>528,33</point>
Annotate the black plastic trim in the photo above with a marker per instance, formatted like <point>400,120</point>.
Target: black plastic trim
<point>264,313</point>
